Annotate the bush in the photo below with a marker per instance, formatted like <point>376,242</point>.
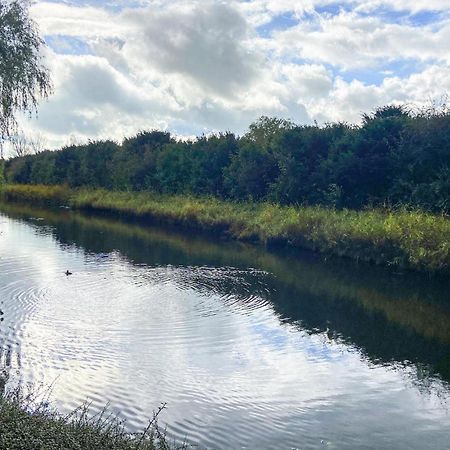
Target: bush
<point>393,158</point>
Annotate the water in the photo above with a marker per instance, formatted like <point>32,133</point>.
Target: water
<point>249,349</point>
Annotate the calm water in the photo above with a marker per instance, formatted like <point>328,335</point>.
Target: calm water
<point>249,349</point>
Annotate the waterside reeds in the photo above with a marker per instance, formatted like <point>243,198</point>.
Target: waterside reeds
<point>401,238</point>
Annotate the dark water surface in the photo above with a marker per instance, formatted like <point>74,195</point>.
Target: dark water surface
<point>249,349</point>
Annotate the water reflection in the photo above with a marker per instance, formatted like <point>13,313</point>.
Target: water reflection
<point>283,349</point>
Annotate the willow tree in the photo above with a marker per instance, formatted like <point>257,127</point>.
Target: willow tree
<point>23,77</point>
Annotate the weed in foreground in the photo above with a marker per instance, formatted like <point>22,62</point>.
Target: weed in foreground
<point>28,421</point>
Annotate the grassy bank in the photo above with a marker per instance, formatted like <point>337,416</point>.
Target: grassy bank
<point>406,239</point>
<point>26,425</point>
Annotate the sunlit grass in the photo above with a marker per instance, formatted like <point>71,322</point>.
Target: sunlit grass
<point>38,193</point>
<point>409,239</point>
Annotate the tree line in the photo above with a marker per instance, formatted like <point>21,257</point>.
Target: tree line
<point>393,158</point>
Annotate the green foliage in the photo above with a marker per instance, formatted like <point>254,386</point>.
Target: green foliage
<point>43,169</point>
<point>211,156</point>
<point>18,170</point>
<point>174,168</point>
<point>301,153</point>
<point>362,162</point>
<point>422,158</point>
<point>394,158</point>
<point>266,129</point>
<point>250,173</point>
<point>23,79</point>
<point>141,154</point>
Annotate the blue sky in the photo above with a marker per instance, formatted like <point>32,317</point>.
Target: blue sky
<point>195,67</point>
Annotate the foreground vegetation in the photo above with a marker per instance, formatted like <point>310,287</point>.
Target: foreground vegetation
<point>25,424</point>
<point>408,239</point>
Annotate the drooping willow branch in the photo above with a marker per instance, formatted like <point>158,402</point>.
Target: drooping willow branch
<point>24,79</point>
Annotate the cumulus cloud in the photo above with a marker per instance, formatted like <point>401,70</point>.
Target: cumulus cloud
<point>196,66</point>
<point>205,43</point>
<point>91,100</point>
<point>348,40</point>
<point>348,100</point>
<point>68,20</point>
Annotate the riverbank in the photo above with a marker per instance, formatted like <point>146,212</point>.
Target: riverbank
<point>403,239</point>
<point>23,426</point>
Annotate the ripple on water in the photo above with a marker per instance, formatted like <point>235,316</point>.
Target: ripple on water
<point>205,340</point>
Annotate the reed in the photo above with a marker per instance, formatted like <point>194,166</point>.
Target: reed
<point>41,194</point>
<point>401,238</point>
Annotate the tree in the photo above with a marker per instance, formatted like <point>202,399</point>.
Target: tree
<point>266,129</point>
<point>20,146</point>
<point>174,168</point>
<point>141,154</point>
<point>37,143</point>
<point>250,173</point>
<point>363,160</point>
<point>210,156</point>
<point>301,153</point>
<point>23,77</point>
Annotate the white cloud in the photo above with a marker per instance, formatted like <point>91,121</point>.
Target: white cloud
<point>92,99</point>
<point>200,66</point>
<point>350,41</point>
<point>413,6</point>
<point>348,100</point>
<point>63,19</point>
<point>204,43</point>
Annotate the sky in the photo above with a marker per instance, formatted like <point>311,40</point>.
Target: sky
<point>194,67</point>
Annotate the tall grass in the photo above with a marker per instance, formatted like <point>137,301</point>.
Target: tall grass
<point>39,194</point>
<point>407,239</point>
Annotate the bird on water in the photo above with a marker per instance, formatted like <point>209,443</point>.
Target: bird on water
<point>68,273</point>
